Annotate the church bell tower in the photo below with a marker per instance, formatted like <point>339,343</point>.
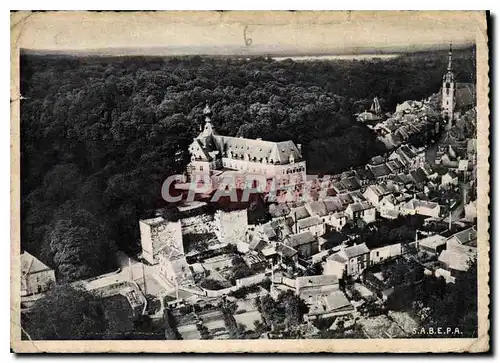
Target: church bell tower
<point>448,94</point>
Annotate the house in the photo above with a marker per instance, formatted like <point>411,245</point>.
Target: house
<point>357,196</point>
<point>389,206</point>
<point>36,277</point>
<point>351,260</point>
<point>403,180</point>
<point>418,176</point>
<point>380,172</point>
<point>175,270</point>
<point>460,252</point>
<point>317,208</point>
<point>305,243</point>
<point>334,304</point>
<point>449,179</point>
<point>374,193</point>
<point>364,176</point>
<point>381,254</point>
<point>421,207</point>
<point>467,237</point>
<point>358,257</point>
<point>432,244</point>
<point>313,224</point>
<point>348,184</point>
<point>454,263</point>
<point>363,210</point>
<point>279,211</point>
<point>311,286</point>
<point>285,251</point>
<point>335,265</point>
<point>156,234</point>
<point>298,213</point>
<point>395,166</point>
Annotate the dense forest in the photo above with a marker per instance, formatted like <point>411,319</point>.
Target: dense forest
<point>100,135</point>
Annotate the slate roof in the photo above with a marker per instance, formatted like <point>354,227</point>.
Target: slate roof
<point>356,207</point>
<point>356,250</point>
<point>279,210</point>
<point>418,175</point>
<point>286,250</point>
<point>300,239</point>
<point>351,183</point>
<point>465,237</point>
<point>364,174</point>
<point>317,208</point>
<point>259,149</point>
<point>380,170</point>
<point>299,213</point>
<point>309,222</point>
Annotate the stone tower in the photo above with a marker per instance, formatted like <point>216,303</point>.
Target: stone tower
<point>448,94</point>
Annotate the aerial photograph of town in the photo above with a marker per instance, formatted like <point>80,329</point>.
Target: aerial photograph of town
<point>264,196</point>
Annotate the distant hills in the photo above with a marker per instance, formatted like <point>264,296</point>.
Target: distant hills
<point>240,51</point>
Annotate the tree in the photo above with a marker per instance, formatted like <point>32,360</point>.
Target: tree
<point>66,313</point>
<point>266,283</point>
<point>294,307</point>
<point>79,246</point>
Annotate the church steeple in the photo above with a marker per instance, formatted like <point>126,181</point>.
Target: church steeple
<point>449,59</point>
<point>448,93</point>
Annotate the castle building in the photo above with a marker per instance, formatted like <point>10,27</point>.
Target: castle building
<point>211,152</point>
<point>448,93</point>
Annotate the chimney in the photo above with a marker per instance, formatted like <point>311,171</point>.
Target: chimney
<point>299,146</point>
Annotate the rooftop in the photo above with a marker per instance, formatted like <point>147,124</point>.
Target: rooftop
<point>380,170</point>
<point>465,237</point>
<point>30,264</point>
<point>356,250</point>
<point>356,207</point>
<point>314,281</point>
<point>299,212</point>
<point>455,260</point>
<point>309,222</point>
<point>433,241</point>
<point>301,238</point>
<point>317,208</point>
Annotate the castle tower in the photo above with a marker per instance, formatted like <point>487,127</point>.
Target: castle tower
<point>448,94</point>
<point>208,128</point>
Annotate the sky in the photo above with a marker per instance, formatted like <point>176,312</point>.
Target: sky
<point>163,33</point>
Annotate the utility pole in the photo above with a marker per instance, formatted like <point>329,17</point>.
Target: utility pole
<point>144,280</point>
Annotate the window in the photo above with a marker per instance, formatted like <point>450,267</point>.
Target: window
<point>378,253</point>
<point>201,168</point>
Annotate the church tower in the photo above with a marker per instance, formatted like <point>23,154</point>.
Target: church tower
<point>448,93</point>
